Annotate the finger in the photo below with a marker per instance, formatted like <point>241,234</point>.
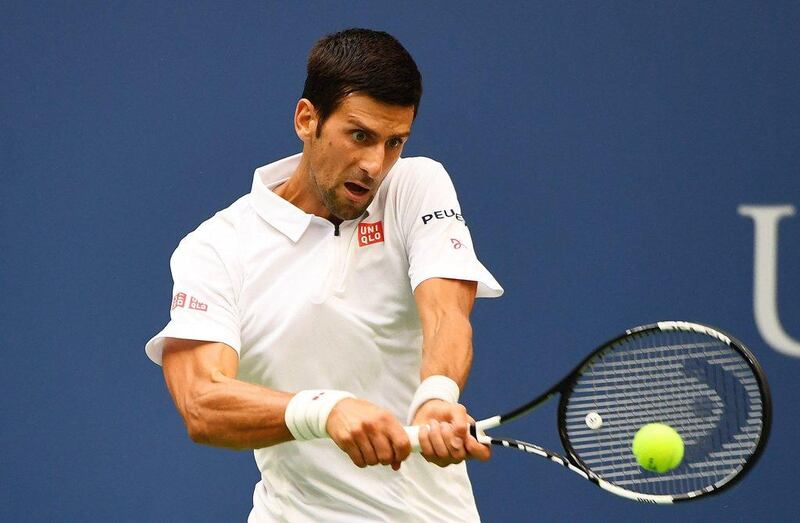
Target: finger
<point>437,439</point>
<point>461,430</point>
<point>455,444</point>
<point>383,448</point>
<point>365,446</point>
<point>401,445</point>
<point>478,450</point>
<point>352,450</point>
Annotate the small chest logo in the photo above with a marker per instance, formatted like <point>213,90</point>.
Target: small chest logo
<point>369,233</point>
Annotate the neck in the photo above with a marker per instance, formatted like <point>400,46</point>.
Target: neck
<point>300,191</point>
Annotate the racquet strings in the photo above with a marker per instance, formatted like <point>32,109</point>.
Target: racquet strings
<point>691,381</point>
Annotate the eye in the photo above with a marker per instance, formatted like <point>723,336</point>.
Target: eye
<point>394,143</point>
<point>359,136</point>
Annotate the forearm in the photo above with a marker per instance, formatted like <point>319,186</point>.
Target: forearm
<point>226,412</point>
<point>447,348</point>
<point>218,409</point>
<point>444,423</point>
<point>222,411</point>
<point>444,307</point>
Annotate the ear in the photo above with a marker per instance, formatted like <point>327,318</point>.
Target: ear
<point>305,120</point>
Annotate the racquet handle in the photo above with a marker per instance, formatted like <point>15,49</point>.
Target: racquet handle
<point>413,436</point>
<point>476,430</point>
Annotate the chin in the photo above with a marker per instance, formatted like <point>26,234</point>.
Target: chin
<point>352,215</point>
<point>348,213</point>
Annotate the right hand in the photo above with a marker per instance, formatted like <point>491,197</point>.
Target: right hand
<point>368,433</point>
<point>444,434</point>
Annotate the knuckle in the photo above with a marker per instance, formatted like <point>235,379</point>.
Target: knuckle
<point>357,460</point>
<point>404,449</point>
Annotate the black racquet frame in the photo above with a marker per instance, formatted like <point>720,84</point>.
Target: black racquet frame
<point>565,388</point>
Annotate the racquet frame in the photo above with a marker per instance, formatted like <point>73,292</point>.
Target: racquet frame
<point>573,462</point>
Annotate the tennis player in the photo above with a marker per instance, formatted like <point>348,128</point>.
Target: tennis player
<point>321,312</point>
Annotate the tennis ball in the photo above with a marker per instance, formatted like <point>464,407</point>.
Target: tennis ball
<point>658,447</point>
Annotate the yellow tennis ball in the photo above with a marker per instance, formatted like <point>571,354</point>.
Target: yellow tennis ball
<point>658,447</point>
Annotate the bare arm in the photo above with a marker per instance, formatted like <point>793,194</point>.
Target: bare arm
<point>222,411</point>
<point>218,409</point>
<point>444,306</point>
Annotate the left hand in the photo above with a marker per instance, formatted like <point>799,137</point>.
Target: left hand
<point>444,434</point>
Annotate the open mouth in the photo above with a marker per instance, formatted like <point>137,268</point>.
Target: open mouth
<point>356,189</point>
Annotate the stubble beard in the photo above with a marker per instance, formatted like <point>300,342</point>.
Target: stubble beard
<point>342,210</point>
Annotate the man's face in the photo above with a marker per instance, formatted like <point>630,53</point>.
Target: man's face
<point>356,147</point>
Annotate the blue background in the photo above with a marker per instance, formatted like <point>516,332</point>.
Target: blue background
<point>600,151</point>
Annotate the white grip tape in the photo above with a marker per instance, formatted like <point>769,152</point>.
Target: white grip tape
<point>433,387</point>
<point>307,413</point>
<point>482,426</point>
<point>413,437</point>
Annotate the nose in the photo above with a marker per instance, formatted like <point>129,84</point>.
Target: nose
<point>371,162</point>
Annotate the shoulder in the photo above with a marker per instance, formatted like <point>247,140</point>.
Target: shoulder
<point>411,177</point>
<point>417,167</point>
<point>218,236</point>
<point>222,226</point>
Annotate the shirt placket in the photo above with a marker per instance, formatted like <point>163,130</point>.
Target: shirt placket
<point>345,251</point>
<point>341,250</point>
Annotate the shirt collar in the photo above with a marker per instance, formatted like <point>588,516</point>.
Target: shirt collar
<point>276,211</point>
<point>279,213</point>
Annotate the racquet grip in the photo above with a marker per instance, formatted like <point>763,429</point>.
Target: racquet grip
<point>413,436</point>
<point>475,430</point>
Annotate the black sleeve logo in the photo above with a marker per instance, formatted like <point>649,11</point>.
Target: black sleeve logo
<point>441,215</point>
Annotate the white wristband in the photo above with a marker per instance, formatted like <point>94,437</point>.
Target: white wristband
<point>434,387</point>
<point>307,413</point>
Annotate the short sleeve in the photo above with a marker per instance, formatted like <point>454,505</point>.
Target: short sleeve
<point>437,238</point>
<point>204,304</point>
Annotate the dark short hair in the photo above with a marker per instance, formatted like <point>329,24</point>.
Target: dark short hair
<point>360,61</point>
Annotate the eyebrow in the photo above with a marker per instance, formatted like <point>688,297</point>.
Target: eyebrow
<point>355,121</point>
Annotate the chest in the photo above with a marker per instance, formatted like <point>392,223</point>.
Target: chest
<point>310,302</point>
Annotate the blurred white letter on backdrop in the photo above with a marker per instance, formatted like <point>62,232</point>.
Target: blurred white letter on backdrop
<point>765,274</point>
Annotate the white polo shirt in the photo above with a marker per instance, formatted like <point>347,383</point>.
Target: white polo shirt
<point>307,308</point>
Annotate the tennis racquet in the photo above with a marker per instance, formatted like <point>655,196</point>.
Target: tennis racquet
<point>695,378</point>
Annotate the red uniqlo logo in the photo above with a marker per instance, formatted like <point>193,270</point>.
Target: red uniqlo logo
<point>196,305</point>
<point>179,300</point>
<point>369,233</point>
